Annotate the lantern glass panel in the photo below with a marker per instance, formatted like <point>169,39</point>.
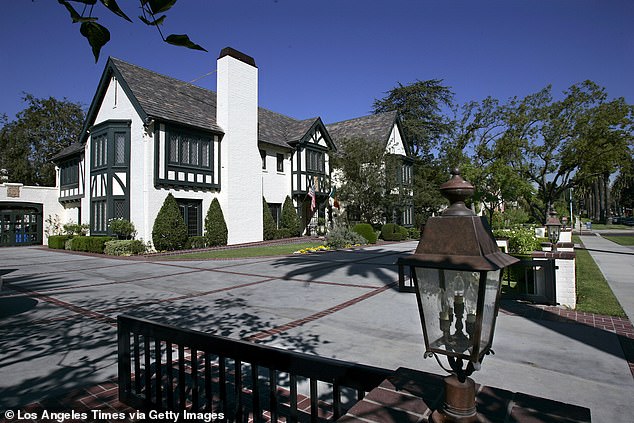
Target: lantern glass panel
<point>491,291</point>
<point>449,301</point>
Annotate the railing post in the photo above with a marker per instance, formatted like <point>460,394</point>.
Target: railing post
<point>123,358</point>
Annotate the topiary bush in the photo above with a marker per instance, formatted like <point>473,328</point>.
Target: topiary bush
<point>289,219</point>
<point>196,242</point>
<point>391,232</point>
<point>403,231</point>
<point>124,247</point>
<point>216,231</point>
<point>169,231</point>
<point>342,237</point>
<point>269,228</point>
<point>58,241</point>
<point>366,231</point>
<point>89,244</point>
<point>122,228</point>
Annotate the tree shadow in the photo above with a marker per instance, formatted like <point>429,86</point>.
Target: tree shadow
<point>361,266</point>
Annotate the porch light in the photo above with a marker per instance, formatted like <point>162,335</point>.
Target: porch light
<point>553,228</point>
<point>457,272</point>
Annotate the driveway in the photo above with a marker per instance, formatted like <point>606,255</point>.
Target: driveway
<point>58,329</point>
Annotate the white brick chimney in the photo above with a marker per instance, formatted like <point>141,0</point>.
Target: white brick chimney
<point>241,174</point>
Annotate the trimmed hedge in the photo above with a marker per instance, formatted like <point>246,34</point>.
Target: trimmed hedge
<point>366,231</point>
<point>124,247</point>
<point>89,244</point>
<point>392,232</point>
<point>169,231</point>
<point>216,231</point>
<point>58,241</point>
<point>269,228</point>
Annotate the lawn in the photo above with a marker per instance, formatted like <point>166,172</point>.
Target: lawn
<point>593,292</point>
<point>246,252</point>
<point>626,240</point>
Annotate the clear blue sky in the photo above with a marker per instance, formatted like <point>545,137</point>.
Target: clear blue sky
<point>332,58</point>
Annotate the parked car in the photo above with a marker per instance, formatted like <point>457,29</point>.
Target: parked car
<point>629,221</point>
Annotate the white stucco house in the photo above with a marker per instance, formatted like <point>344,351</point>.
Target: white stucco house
<point>147,135</point>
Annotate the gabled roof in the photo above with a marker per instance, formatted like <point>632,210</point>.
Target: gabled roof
<point>377,127</point>
<point>164,98</point>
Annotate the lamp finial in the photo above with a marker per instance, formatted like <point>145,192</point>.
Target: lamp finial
<point>457,190</point>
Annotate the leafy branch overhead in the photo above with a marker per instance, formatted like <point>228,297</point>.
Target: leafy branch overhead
<point>153,14</point>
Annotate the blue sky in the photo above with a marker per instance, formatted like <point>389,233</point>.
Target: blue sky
<point>332,58</point>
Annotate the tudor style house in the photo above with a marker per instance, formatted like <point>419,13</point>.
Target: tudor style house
<point>147,135</point>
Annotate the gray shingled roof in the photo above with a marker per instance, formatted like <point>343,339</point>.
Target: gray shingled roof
<point>168,98</point>
<point>71,150</point>
<point>372,127</point>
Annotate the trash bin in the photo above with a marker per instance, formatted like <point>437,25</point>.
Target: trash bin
<point>588,225</point>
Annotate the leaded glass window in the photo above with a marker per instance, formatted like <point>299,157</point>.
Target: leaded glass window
<point>189,149</point>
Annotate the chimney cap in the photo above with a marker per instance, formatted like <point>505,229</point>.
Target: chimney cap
<point>228,51</point>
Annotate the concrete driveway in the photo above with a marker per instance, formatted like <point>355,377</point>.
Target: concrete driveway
<point>58,330</point>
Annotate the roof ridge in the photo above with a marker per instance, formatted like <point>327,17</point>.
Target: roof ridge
<point>363,117</point>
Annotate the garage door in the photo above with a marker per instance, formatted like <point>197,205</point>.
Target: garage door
<point>20,224</point>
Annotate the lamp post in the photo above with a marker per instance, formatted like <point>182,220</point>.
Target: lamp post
<point>553,227</point>
<point>457,272</point>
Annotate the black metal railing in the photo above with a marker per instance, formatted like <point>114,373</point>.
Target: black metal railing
<point>164,367</point>
<point>532,280</point>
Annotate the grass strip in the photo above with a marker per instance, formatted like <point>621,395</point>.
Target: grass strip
<point>245,252</point>
<point>593,292</point>
<point>625,240</point>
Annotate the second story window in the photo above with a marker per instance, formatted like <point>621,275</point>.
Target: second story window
<point>280,162</point>
<point>189,149</point>
<point>315,161</point>
<point>69,173</point>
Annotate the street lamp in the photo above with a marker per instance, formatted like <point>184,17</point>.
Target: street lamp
<point>457,273</point>
<point>553,227</point>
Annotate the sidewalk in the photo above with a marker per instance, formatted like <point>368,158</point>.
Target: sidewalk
<point>617,265</point>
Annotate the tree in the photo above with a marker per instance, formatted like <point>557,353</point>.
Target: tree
<point>423,108</point>
<point>169,231</point>
<point>98,35</point>
<point>289,220</point>
<point>41,130</point>
<point>364,177</point>
<point>269,228</point>
<point>563,144</point>
<point>216,231</point>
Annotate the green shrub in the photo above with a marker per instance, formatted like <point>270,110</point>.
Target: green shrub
<point>342,237</point>
<point>196,242</point>
<point>124,247</point>
<point>521,240</point>
<point>58,241</point>
<point>414,233</point>
<point>282,233</point>
<point>269,226</point>
<point>89,244</point>
<point>169,231</point>
<point>122,228</point>
<point>289,219</point>
<point>68,245</point>
<point>391,232</point>
<point>216,231</point>
<point>366,231</point>
<point>76,229</point>
<point>403,231</point>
